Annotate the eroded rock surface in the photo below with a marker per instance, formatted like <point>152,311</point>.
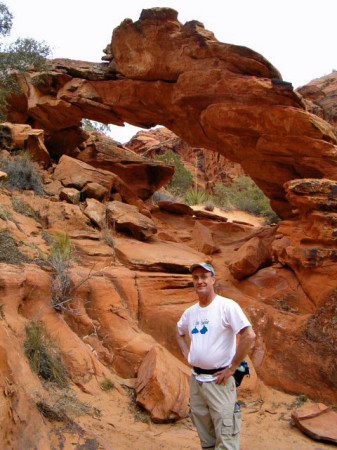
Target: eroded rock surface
<point>174,68</point>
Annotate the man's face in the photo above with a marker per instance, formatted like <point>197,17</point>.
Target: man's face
<point>203,281</point>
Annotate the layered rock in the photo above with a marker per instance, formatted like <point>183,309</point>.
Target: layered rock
<point>175,68</point>
<point>207,167</point>
<point>25,138</point>
<point>320,97</point>
<point>309,244</point>
<point>145,176</point>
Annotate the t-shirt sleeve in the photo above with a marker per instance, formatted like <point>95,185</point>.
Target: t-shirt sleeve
<point>182,324</point>
<point>235,317</point>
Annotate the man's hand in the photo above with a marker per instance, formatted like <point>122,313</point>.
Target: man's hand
<point>247,338</point>
<point>224,374</point>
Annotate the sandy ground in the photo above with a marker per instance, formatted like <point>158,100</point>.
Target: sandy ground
<point>266,424</point>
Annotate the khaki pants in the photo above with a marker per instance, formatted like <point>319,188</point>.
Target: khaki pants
<point>215,414</point>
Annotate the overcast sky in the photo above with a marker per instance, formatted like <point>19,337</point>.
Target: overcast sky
<point>297,36</point>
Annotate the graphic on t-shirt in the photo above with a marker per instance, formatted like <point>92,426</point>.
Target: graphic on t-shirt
<point>198,324</point>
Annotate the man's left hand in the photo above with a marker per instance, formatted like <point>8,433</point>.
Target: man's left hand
<point>224,374</point>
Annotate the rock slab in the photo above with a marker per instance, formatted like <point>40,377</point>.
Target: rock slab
<point>317,421</point>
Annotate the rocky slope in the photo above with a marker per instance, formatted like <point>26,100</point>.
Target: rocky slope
<point>129,270</point>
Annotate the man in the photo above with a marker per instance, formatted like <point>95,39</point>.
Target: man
<point>211,325</point>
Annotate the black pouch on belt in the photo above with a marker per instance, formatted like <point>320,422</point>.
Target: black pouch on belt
<point>240,372</point>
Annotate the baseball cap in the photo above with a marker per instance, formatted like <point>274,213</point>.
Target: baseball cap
<point>203,265</point>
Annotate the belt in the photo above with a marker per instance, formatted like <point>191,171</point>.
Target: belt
<point>199,370</point>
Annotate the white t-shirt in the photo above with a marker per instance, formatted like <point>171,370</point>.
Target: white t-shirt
<point>213,331</point>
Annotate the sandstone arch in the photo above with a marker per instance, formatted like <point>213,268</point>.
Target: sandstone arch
<point>222,97</point>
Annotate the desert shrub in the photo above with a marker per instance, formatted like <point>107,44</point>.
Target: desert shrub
<point>63,291</point>
<point>9,252</point>
<point>245,195</point>
<point>182,178</point>
<point>22,173</point>
<point>108,237</point>
<point>60,260</point>
<point>107,384</point>
<point>62,403</point>
<point>195,196</point>
<point>22,207</point>
<point>43,355</point>
<point>5,213</point>
<point>47,237</point>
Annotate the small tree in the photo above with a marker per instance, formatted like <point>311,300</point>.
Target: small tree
<point>17,56</point>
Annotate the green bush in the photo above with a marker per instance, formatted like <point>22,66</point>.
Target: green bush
<point>182,178</point>
<point>18,56</point>
<point>244,195</point>
<point>43,355</point>
<point>22,173</point>
<point>196,197</point>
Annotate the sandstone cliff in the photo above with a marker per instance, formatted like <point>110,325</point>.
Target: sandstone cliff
<point>131,266</point>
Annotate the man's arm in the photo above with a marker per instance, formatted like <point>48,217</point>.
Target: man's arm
<point>184,344</point>
<point>247,339</point>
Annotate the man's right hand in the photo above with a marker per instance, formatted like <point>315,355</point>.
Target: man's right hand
<point>223,375</point>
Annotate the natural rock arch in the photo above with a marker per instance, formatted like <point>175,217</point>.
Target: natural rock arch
<point>218,96</point>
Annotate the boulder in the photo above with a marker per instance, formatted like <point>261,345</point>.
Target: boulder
<point>249,257</point>
<point>71,195</point>
<point>175,207</point>
<point>162,385</point>
<point>203,239</point>
<point>127,218</point>
<point>144,176</point>
<point>24,137</point>
<point>209,215</point>
<point>53,188</point>
<point>95,190</point>
<point>96,211</point>
<point>74,173</point>
<point>317,421</point>
<point>157,256</point>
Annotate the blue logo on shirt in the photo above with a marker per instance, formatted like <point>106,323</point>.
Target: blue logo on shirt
<point>203,330</point>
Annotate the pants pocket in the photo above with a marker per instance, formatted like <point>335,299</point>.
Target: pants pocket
<point>227,426</point>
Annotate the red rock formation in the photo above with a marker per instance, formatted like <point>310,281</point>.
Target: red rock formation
<point>207,167</point>
<point>216,96</point>
<point>320,97</point>
<point>143,175</point>
<point>235,104</point>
